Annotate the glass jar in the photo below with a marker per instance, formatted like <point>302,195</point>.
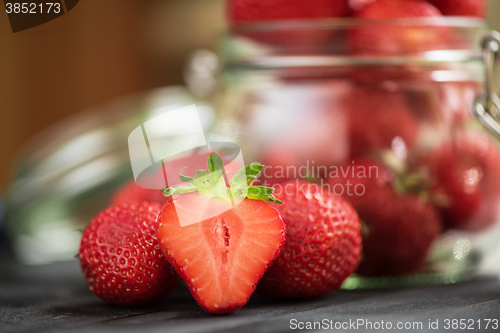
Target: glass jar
<point>308,98</point>
<point>66,174</point>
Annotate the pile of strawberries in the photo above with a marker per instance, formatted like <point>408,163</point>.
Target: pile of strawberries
<point>304,247</point>
<point>259,10</point>
<point>302,239</point>
<point>406,204</point>
<point>401,34</point>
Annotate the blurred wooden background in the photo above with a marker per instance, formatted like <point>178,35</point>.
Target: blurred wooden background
<point>98,51</point>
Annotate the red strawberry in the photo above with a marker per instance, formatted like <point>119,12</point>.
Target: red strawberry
<point>397,39</point>
<point>400,227</point>
<point>457,100</point>
<point>401,230</point>
<point>359,4</point>
<point>289,38</point>
<point>445,104</point>
<point>461,7</point>
<point>466,171</point>
<point>131,192</point>
<point>121,259</point>
<point>376,117</point>
<point>296,140</point>
<point>222,258</point>
<point>323,243</point>
<point>264,10</point>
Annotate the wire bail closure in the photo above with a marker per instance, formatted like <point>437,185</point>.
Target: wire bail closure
<point>487,105</point>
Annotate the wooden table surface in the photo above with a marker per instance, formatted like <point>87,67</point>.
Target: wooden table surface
<point>55,298</point>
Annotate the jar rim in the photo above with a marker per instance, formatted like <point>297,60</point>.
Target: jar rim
<point>429,58</point>
<point>247,45</point>
<point>339,23</point>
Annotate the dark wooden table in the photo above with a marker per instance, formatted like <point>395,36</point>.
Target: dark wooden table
<point>55,298</point>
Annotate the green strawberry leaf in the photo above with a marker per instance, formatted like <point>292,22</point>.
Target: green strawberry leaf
<point>246,175</point>
<point>262,193</point>
<point>365,231</point>
<point>168,192</point>
<point>186,179</point>
<point>201,173</point>
<point>214,162</point>
<point>210,183</point>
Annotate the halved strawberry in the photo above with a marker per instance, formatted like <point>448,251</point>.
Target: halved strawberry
<point>223,257</point>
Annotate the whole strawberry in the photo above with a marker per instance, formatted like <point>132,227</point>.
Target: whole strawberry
<point>399,227</point>
<point>466,173</point>
<point>121,258</point>
<point>445,105</point>
<point>397,39</point>
<point>297,143</point>
<point>133,193</point>
<point>400,232</point>
<point>376,117</point>
<point>264,10</point>
<point>461,7</point>
<point>359,4</point>
<point>457,100</point>
<point>322,247</point>
<point>287,38</point>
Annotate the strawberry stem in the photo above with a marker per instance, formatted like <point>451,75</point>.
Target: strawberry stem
<point>212,183</point>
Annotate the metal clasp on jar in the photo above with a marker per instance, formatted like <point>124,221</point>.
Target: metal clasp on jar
<point>487,105</point>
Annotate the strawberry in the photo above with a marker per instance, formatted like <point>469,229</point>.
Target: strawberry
<point>359,4</point>
<point>221,258</point>
<point>121,259</point>
<point>264,10</point>
<point>290,38</point>
<point>445,104</point>
<point>131,192</point>
<point>466,173</point>
<point>395,39</point>
<point>461,7</point>
<point>322,247</point>
<point>376,117</point>
<point>296,141</point>
<point>457,100</point>
<point>400,227</point>
<point>401,230</point>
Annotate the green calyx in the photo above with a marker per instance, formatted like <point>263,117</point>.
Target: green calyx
<point>417,181</point>
<point>211,182</point>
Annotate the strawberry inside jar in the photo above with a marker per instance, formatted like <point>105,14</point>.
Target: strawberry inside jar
<point>376,106</point>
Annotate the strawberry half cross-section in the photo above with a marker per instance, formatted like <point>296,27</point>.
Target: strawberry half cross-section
<point>221,258</point>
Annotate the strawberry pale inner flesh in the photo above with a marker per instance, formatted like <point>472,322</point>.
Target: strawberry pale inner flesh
<point>222,258</point>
